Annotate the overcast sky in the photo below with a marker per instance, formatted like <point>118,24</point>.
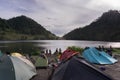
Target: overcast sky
<point>58,16</point>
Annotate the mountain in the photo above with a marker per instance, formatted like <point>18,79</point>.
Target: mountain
<point>22,28</point>
<point>105,28</point>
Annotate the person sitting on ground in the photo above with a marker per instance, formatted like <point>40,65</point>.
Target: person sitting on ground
<point>109,50</point>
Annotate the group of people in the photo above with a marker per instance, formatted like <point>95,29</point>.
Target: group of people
<point>102,48</point>
<point>49,52</point>
<point>107,50</point>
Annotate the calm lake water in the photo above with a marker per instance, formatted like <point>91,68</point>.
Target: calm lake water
<point>28,46</point>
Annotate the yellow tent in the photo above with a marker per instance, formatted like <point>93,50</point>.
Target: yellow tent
<point>15,54</point>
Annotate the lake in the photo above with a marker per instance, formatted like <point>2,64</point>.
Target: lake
<point>28,46</point>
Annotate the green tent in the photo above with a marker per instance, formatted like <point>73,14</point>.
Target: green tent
<point>41,61</point>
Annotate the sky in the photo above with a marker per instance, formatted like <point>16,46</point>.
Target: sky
<point>58,16</point>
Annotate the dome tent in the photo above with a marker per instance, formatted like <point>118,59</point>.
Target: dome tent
<point>41,61</point>
<point>78,69</point>
<point>67,54</point>
<point>99,57</point>
<point>12,68</point>
<point>24,59</point>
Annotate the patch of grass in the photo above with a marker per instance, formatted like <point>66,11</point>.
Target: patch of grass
<point>116,50</point>
<point>77,49</point>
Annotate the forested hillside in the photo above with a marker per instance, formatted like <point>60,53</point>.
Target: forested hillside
<point>105,28</point>
<point>23,28</point>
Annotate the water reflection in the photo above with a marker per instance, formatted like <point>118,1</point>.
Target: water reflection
<point>114,44</point>
<point>28,46</point>
<point>63,44</point>
<point>22,47</point>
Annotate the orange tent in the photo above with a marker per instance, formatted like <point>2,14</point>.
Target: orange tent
<point>67,54</point>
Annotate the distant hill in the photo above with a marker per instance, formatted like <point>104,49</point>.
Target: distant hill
<point>23,28</point>
<point>105,28</point>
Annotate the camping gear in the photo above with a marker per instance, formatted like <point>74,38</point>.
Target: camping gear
<point>13,68</point>
<point>40,61</point>
<point>78,69</point>
<point>67,54</point>
<point>99,57</point>
<point>23,58</point>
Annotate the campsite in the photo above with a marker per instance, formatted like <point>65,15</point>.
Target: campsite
<point>73,63</point>
<point>60,40</point>
<point>111,70</point>
<point>105,70</point>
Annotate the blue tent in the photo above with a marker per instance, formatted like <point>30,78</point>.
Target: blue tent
<point>99,57</point>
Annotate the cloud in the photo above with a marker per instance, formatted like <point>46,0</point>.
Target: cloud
<point>58,16</point>
<point>18,5</point>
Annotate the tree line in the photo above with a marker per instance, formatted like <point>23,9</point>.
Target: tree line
<point>105,28</point>
<point>22,27</point>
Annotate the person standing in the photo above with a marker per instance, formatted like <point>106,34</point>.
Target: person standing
<point>109,50</point>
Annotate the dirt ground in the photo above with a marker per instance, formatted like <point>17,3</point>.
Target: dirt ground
<point>111,70</point>
<point>43,74</point>
<point>114,69</point>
